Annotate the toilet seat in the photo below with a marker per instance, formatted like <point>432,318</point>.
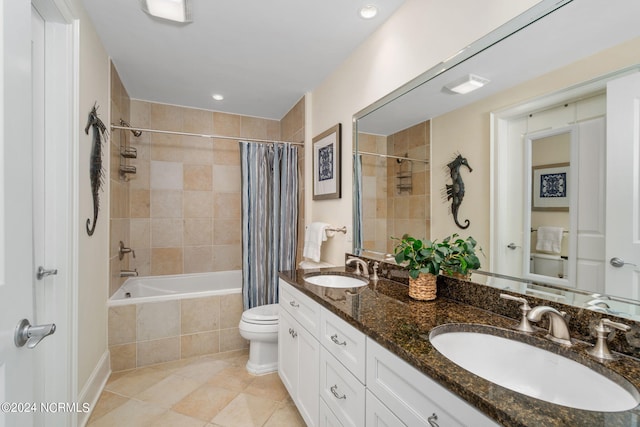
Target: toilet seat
<point>262,315</point>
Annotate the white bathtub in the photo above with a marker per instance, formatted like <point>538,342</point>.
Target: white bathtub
<point>138,290</point>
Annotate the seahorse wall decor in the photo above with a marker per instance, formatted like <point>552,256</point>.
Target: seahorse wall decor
<point>455,190</point>
<point>96,173</point>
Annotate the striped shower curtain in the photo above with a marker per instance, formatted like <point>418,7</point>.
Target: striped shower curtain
<point>269,218</point>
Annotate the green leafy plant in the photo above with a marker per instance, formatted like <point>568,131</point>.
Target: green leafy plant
<point>420,255</point>
<point>461,256</point>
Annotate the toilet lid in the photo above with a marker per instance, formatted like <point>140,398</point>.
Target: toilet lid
<point>265,314</point>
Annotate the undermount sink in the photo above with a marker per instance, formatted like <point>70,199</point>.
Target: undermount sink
<point>335,281</point>
<point>533,371</point>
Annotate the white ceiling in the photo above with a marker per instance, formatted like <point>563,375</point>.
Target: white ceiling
<point>262,55</point>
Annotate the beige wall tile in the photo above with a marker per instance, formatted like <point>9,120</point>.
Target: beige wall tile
<point>141,179</point>
<point>230,340</point>
<point>198,259</point>
<point>140,204</point>
<point>166,147</point>
<point>197,121</point>
<point>200,314</point>
<point>122,324</point>
<point>227,257</point>
<point>198,177</point>
<point>122,357</point>
<point>197,150</point>
<point>226,152</point>
<point>226,124</point>
<point>198,204</point>
<point>227,205</point>
<point>166,261</point>
<point>230,310</point>
<point>227,231</point>
<point>166,233</point>
<point>227,178</point>
<point>166,117</point>
<point>166,204</point>
<point>140,233</point>
<point>166,175</point>
<point>158,351</point>
<point>198,232</point>
<point>200,344</point>
<point>142,261</point>
<point>157,320</point>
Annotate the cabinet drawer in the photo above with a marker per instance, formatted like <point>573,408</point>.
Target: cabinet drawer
<point>301,307</point>
<point>341,391</point>
<point>345,342</point>
<point>379,415</point>
<point>328,418</point>
<point>413,396</point>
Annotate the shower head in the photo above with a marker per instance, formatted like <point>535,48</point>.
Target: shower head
<point>135,133</point>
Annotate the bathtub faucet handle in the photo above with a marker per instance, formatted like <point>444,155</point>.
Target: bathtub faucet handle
<point>124,250</point>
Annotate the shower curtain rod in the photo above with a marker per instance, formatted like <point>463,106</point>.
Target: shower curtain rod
<point>390,156</point>
<point>201,135</point>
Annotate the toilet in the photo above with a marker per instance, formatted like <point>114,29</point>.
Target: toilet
<point>259,325</point>
<point>548,265</point>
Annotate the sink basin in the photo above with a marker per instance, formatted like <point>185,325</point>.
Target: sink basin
<point>336,281</point>
<point>533,371</point>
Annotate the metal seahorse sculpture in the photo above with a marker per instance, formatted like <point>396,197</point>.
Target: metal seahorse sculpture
<point>96,172</point>
<point>455,190</point>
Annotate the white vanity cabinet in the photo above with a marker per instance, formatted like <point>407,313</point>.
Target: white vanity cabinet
<point>413,397</point>
<point>299,351</point>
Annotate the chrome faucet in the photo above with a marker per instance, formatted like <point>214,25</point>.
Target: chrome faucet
<point>558,327</point>
<point>129,273</point>
<point>124,250</point>
<point>524,325</point>
<point>359,262</point>
<point>604,328</point>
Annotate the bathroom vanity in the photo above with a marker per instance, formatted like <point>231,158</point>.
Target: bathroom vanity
<point>362,357</point>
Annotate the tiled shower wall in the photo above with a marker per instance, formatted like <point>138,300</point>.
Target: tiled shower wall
<point>181,211</point>
<point>396,196</point>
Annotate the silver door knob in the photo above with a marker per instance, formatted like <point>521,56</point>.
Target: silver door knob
<point>31,335</point>
<point>619,262</point>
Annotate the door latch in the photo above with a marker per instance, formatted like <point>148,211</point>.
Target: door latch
<point>31,335</point>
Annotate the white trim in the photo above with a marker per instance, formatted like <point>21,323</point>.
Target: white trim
<point>92,389</point>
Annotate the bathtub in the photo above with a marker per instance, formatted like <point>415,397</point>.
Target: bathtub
<point>161,319</point>
<point>138,290</point>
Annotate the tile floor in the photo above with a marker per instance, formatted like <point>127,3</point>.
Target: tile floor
<point>206,391</point>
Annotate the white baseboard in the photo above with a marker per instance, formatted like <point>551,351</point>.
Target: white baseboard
<point>90,393</point>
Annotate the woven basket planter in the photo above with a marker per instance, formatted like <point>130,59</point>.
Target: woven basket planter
<point>424,287</point>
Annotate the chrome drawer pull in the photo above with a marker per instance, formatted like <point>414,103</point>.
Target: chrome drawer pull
<point>335,393</point>
<point>293,333</point>
<point>293,304</point>
<point>334,338</point>
<point>432,420</point>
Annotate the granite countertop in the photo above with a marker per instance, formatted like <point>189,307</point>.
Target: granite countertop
<point>385,312</point>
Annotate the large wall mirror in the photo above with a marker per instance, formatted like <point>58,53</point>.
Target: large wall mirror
<point>554,198</point>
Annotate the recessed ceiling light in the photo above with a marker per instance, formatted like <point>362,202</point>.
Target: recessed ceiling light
<point>217,97</point>
<point>173,10</point>
<point>466,84</point>
<point>369,11</point>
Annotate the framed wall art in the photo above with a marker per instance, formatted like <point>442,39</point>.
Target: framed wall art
<point>550,187</point>
<point>327,164</point>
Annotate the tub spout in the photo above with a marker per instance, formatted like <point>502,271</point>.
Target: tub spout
<point>129,273</point>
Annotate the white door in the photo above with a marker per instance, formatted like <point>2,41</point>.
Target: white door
<point>16,238</point>
<point>623,187</point>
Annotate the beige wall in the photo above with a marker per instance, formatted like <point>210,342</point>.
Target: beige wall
<point>415,38</point>
<point>93,251</point>
<point>473,139</point>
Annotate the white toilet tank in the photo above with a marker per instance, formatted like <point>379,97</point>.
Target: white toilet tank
<point>548,265</point>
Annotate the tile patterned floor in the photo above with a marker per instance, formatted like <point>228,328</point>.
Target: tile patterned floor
<point>209,391</point>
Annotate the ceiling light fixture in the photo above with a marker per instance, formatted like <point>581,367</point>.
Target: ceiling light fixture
<point>467,84</point>
<point>217,97</point>
<point>172,10</point>
<point>369,11</point>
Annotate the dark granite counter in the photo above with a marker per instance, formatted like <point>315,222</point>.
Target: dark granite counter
<point>386,313</point>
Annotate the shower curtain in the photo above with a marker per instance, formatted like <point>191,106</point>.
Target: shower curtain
<point>269,218</point>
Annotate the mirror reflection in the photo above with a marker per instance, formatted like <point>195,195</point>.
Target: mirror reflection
<point>538,138</point>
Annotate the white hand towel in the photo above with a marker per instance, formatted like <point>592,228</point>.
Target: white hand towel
<point>549,239</point>
<point>314,235</point>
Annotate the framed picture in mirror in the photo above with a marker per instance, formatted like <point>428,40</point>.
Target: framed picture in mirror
<point>550,187</point>
<point>327,164</point>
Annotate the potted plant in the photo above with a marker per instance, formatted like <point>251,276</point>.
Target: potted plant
<point>461,257</point>
<point>423,259</point>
